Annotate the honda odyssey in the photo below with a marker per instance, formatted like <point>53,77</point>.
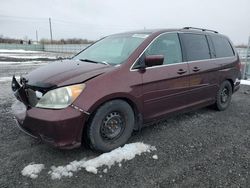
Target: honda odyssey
<point>125,81</point>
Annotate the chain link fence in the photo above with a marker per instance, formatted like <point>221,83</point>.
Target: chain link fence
<point>62,48</point>
<point>244,53</point>
<point>67,48</point>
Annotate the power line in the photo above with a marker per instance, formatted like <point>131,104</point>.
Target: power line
<point>60,21</point>
<point>40,23</point>
<point>22,17</point>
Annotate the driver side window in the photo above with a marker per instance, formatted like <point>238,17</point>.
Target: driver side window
<point>167,45</point>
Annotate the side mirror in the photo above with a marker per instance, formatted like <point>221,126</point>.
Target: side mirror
<point>154,60</point>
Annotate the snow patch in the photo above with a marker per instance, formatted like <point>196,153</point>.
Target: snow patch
<point>245,82</point>
<point>7,79</point>
<point>32,170</point>
<point>155,157</point>
<point>27,56</point>
<point>23,62</point>
<point>16,51</point>
<point>91,169</point>
<point>18,107</point>
<point>127,152</point>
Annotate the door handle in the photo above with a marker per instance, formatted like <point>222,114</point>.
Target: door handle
<point>181,71</point>
<point>196,69</point>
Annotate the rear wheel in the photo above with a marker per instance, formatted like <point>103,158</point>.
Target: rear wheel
<point>111,126</point>
<point>224,95</point>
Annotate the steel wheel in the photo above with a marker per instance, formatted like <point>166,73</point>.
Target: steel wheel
<point>224,96</point>
<point>112,126</point>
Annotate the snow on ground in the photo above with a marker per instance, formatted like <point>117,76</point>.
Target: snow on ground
<point>21,56</point>
<point>32,170</point>
<point>16,51</point>
<point>8,78</point>
<point>127,152</point>
<point>22,62</point>
<point>245,82</point>
<point>18,108</point>
<point>155,157</point>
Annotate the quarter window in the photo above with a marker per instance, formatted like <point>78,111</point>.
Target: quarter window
<point>222,47</point>
<point>167,45</point>
<point>196,46</point>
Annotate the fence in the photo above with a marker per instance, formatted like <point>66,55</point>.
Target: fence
<point>64,48</point>
<point>30,47</point>
<point>242,53</point>
<point>68,48</point>
<point>75,48</point>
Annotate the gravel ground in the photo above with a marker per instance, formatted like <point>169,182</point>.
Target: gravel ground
<point>204,148</point>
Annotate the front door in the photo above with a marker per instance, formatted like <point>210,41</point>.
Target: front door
<point>165,86</point>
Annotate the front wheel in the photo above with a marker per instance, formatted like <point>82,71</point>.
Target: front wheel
<point>111,126</point>
<point>224,95</point>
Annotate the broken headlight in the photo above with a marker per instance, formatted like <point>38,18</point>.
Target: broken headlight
<point>61,97</point>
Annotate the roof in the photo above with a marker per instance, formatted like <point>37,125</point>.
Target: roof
<point>185,29</point>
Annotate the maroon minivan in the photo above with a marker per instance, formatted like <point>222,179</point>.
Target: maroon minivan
<point>125,81</point>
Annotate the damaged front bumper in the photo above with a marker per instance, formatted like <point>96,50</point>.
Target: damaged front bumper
<point>61,128</point>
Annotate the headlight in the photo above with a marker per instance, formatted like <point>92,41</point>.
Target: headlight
<point>61,97</point>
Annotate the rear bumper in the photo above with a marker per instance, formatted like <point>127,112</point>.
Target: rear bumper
<point>236,86</point>
<point>59,128</point>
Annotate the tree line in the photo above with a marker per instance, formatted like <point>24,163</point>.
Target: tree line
<point>44,41</point>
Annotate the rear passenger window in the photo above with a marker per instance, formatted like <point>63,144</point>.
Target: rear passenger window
<point>222,47</point>
<point>196,46</point>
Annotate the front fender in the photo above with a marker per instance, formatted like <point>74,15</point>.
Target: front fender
<point>93,104</point>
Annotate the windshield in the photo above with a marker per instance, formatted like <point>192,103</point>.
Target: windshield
<point>112,50</point>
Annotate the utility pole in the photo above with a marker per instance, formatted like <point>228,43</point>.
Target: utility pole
<point>51,39</point>
<point>36,36</point>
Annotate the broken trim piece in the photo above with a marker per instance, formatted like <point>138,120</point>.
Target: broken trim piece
<point>79,109</point>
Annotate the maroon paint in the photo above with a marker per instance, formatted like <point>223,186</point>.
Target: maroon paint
<point>153,93</point>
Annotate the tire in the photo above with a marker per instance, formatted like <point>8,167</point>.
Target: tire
<point>115,115</point>
<point>224,96</point>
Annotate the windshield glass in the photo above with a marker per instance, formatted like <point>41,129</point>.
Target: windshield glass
<point>112,50</point>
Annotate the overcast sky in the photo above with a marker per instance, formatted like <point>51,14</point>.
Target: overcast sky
<point>93,19</point>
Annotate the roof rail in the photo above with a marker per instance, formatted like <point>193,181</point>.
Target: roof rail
<point>201,29</point>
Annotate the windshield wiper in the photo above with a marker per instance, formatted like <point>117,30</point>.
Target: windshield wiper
<point>92,61</point>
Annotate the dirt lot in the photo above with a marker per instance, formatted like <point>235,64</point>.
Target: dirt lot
<point>204,148</point>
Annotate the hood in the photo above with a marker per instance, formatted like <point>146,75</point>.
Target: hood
<point>67,72</point>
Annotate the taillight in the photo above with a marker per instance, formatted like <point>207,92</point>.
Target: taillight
<point>240,66</point>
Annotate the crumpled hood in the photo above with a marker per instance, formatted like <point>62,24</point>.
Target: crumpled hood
<point>65,72</point>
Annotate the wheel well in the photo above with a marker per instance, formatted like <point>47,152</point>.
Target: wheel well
<point>137,114</point>
<point>232,83</point>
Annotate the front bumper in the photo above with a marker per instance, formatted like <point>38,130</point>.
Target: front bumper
<point>59,128</point>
